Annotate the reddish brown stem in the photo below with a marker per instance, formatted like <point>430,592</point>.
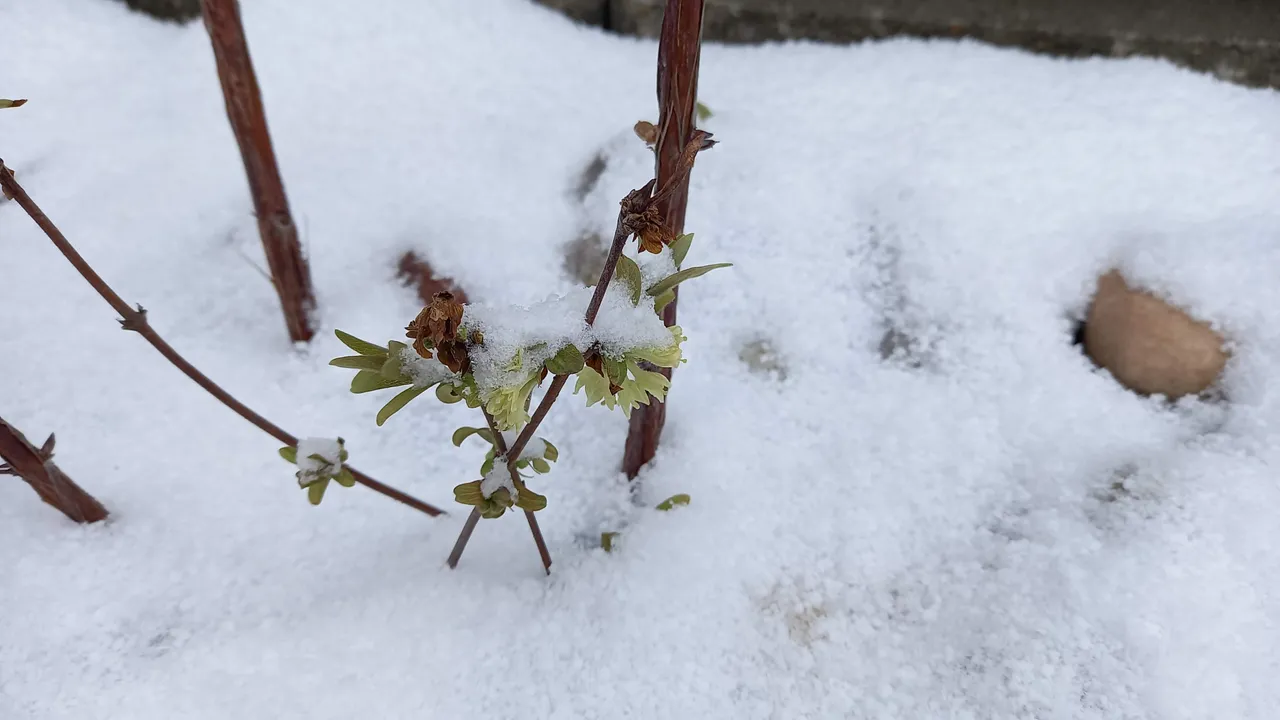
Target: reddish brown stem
<point>136,320</point>
<point>679,50</point>
<point>289,271</point>
<point>36,466</point>
<point>464,537</point>
<point>500,444</point>
<point>620,236</point>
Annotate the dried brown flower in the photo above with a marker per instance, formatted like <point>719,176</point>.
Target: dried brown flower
<point>454,355</point>
<point>444,315</point>
<point>436,326</point>
<point>416,329</point>
<point>648,226</point>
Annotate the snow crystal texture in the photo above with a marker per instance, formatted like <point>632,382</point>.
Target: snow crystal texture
<point>942,511</point>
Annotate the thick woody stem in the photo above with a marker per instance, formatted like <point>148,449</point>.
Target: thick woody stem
<point>679,50</point>
<point>289,270</point>
<point>36,467</point>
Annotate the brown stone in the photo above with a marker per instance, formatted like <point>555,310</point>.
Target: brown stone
<point>1149,346</point>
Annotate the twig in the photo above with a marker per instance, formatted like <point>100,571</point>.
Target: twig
<point>679,50</point>
<point>630,211</point>
<point>136,320</point>
<point>500,445</point>
<point>464,537</point>
<point>289,270</point>
<point>36,467</point>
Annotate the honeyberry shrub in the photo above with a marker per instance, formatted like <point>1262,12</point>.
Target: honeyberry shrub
<point>493,358</point>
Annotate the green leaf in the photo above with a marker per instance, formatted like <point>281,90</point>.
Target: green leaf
<point>322,460</point>
<point>361,346</point>
<point>345,478</point>
<point>629,272</point>
<point>566,362</point>
<point>359,362</point>
<point>489,460</point>
<point>398,402</point>
<point>469,493</point>
<point>661,302</point>
<point>447,394</point>
<point>631,397</point>
<point>671,281</point>
<point>315,491</point>
<point>11,103</point>
<point>541,466</point>
<point>653,383</point>
<point>673,501</point>
<point>368,381</point>
<point>530,500</point>
<point>393,368</point>
<point>680,248</point>
<point>463,433</point>
<point>290,454</point>
<point>552,453</point>
<point>606,540</point>
<point>703,112</point>
<point>615,370</point>
<point>596,386</point>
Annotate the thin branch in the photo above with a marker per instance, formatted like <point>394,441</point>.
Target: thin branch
<point>136,320</point>
<point>501,444</point>
<point>463,537</point>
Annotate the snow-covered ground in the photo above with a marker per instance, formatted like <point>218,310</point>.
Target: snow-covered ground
<point>984,527</point>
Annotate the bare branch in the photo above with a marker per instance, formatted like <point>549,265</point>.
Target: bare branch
<point>136,321</point>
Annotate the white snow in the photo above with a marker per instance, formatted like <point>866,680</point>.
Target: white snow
<point>497,478</point>
<point>424,371</point>
<point>536,447</point>
<point>318,454</point>
<point>554,323</point>
<point>653,266</point>
<point>983,527</point>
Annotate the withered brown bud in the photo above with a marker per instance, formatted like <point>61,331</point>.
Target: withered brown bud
<point>444,315</point>
<point>417,330</point>
<point>453,354</point>
<point>650,229</point>
<point>648,132</point>
<point>437,326</point>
